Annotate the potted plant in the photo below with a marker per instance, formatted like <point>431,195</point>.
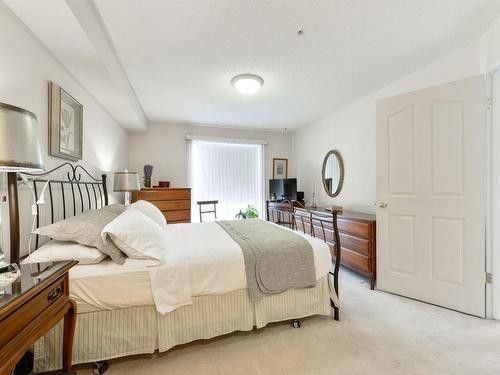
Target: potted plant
<point>249,213</point>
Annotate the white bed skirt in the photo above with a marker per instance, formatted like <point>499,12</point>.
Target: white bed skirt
<point>103,335</point>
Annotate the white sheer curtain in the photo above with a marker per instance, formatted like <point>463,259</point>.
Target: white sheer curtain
<point>229,172</point>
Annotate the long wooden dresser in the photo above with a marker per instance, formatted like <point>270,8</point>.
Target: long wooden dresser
<point>357,234</point>
<point>357,238</point>
<point>174,203</point>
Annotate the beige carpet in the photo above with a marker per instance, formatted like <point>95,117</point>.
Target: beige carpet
<point>379,333</point>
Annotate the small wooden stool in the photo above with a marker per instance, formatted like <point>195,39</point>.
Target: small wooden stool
<point>214,211</point>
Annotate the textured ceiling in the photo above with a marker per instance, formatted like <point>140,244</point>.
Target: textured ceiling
<point>181,55</point>
<point>172,61</point>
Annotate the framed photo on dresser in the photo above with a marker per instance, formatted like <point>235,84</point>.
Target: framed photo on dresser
<point>280,168</point>
<point>65,124</point>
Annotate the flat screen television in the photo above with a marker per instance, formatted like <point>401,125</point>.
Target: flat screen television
<point>283,188</point>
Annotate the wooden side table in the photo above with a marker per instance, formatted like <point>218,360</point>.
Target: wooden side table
<point>31,307</point>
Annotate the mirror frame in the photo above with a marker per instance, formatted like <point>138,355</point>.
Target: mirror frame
<point>341,168</point>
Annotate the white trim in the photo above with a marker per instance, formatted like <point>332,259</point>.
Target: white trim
<point>489,199</point>
<point>262,208</point>
<point>189,171</point>
<point>242,141</point>
<point>493,199</point>
<point>232,127</point>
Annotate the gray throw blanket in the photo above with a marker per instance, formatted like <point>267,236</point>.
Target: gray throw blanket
<point>276,259</point>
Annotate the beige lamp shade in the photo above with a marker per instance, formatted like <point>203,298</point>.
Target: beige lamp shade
<point>126,181</point>
<point>20,148</point>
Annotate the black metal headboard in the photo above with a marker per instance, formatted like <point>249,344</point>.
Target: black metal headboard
<point>73,186</point>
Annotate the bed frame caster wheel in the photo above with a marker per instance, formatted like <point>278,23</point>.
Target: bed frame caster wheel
<point>101,367</point>
<point>296,323</point>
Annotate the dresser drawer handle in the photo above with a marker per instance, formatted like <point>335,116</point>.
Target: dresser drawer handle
<point>55,293</point>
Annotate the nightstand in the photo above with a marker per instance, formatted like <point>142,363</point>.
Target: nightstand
<point>31,306</point>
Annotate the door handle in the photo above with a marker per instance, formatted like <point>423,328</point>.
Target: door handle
<point>382,204</point>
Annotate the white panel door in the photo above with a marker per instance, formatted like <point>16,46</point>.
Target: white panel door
<point>431,195</point>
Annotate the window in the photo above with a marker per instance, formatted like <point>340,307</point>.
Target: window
<point>229,172</point>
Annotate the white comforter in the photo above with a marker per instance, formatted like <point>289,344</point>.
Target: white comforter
<point>200,259</point>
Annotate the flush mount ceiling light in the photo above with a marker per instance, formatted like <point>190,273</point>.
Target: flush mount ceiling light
<point>247,84</point>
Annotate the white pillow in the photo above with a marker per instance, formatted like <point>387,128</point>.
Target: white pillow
<point>151,211</point>
<point>54,251</point>
<point>136,235</point>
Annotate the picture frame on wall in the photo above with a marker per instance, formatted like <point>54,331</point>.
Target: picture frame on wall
<point>65,124</point>
<point>280,168</point>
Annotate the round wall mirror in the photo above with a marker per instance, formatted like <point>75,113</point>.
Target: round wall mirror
<point>333,173</point>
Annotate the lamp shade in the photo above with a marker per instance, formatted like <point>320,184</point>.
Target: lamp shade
<point>126,181</point>
<point>20,148</point>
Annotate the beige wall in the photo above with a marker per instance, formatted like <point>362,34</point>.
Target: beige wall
<point>351,130</point>
<point>26,66</point>
<point>165,147</point>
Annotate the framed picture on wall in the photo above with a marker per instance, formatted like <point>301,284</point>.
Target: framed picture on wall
<point>65,124</point>
<point>280,168</point>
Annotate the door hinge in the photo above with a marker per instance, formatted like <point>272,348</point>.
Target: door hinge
<point>488,277</point>
<point>487,104</point>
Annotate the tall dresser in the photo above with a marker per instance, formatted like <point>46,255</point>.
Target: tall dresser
<point>174,203</point>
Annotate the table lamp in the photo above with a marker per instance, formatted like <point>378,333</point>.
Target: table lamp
<point>126,181</point>
<point>20,151</point>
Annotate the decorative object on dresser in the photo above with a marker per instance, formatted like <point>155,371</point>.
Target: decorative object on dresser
<point>148,173</point>
<point>33,306</point>
<point>280,168</point>
<point>126,181</point>
<point>20,151</point>
<point>314,204</point>
<point>174,203</point>
<point>65,124</point>
<point>332,173</point>
<point>357,235</point>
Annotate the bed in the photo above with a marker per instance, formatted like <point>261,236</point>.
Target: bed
<point>116,312</point>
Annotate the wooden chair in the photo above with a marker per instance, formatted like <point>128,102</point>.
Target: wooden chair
<point>204,203</point>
